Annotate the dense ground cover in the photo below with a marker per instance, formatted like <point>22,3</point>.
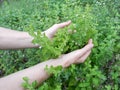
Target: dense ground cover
<point>96,19</point>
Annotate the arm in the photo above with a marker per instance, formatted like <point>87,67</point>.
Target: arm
<point>37,72</point>
<point>11,39</point>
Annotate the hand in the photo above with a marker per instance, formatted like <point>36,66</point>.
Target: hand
<point>77,56</point>
<point>52,30</point>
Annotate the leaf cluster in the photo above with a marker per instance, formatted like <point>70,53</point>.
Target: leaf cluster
<point>96,19</point>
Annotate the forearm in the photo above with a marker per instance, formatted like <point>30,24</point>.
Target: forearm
<point>11,39</point>
<point>37,72</point>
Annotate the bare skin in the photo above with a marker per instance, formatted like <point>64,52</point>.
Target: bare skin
<point>11,39</point>
<point>37,72</point>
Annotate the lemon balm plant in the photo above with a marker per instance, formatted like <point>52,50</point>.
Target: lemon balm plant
<point>99,21</point>
<point>71,38</point>
<point>68,39</point>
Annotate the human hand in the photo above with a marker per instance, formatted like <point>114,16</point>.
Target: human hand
<point>77,56</point>
<point>52,30</point>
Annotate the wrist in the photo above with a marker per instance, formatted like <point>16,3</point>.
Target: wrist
<point>64,63</point>
<point>58,62</point>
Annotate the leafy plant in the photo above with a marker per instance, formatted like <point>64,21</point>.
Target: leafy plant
<point>28,86</point>
<point>96,19</point>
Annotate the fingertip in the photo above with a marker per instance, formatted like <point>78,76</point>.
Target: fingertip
<point>69,21</point>
<point>90,41</point>
<point>90,45</point>
<point>64,24</point>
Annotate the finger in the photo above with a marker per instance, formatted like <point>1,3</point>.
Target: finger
<point>77,54</point>
<point>90,41</point>
<point>85,49</point>
<point>83,58</point>
<point>64,24</point>
<point>80,52</point>
<point>75,57</point>
<point>88,46</point>
<point>51,31</point>
<point>83,53</point>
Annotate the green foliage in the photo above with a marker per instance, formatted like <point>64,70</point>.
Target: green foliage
<point>28,86</point>
<point>51,49</point>
<point>83,29</point>
<point>96,19</point>
<point>74,77</point>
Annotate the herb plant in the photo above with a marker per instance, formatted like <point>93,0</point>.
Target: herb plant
<point>96,19</point>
